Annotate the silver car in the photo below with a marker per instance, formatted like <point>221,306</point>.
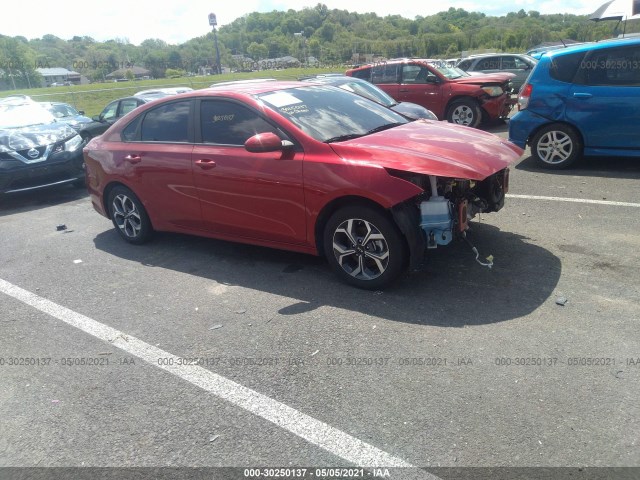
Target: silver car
<point>518,64</point>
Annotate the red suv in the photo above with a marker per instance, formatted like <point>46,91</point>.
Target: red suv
<point>449,92</point>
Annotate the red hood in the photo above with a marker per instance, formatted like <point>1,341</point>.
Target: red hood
<point>433,148</point>
<point>484,78</point>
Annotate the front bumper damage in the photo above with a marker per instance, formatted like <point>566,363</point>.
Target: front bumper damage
<point>442,213</point>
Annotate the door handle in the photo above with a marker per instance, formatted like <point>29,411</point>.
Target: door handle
<point>133,158</point>
<point>403,90</point>
<point>205,163</point>
<point>582,95</point>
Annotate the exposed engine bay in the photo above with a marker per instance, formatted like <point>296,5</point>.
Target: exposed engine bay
<point>446,207</point>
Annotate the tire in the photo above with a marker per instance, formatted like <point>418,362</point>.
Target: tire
<point>364,247</point>
<point>129,216</point>
<point>465,112</point>
<point>556,146</point>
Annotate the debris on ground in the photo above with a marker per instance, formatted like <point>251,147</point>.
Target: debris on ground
<point>215,327</point>
<point>315,353</point>
<point>240,312</point>
<point>77,261</point>
<point>213,438</point>
<point>561,301</point>
<point>61,227</point>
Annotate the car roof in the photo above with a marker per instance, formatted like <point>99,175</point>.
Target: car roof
<point>585,47</point>
<point>250,88</point>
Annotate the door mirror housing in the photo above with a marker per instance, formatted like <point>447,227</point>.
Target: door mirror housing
<point>265,142</point>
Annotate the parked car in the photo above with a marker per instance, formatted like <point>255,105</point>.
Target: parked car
<point>63,112</point>
<point>449,92</point>
<point>582,100</point>
<point>370,91</point>
<point>519,65</point>
<point>297,166</point>
<point>110,114</point>
<point>35,150</point>
<point>154,93</point>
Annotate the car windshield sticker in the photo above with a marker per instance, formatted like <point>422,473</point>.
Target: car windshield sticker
<point>223,118</point>
<point>295,109</point>
<point>281,99</point>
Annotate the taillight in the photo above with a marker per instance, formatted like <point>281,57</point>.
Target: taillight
<point>524,95</point>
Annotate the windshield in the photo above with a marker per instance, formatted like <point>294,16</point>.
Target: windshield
<point>370,91</point>
<point>449,72</point>
<point>24,115</point>
<point>330,114</point>
<point>62,110</point>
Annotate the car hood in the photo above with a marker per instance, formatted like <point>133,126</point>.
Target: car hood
<point>484,78</point>
<point>432,148</point>
<point>12,139</point>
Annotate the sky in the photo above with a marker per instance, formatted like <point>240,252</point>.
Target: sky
<point>176,22</point>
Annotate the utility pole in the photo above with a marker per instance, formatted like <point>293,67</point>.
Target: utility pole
<point>213,22</point>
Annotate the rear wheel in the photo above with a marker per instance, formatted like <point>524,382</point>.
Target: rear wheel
<point>556,146</point>
<point>129,216</point>
<point>465,112</point>
<point>364,247</point>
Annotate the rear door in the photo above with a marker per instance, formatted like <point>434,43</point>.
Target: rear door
<point>156,151</point>
<point>387,77</point>
<point>604,100</point>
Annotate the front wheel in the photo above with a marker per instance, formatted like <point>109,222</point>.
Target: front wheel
<point>129,216</point>
<point>556,146</point>
<point>364,247</point>
<point>464,112</point>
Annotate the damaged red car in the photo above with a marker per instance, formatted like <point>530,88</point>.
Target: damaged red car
<point>297,166</point>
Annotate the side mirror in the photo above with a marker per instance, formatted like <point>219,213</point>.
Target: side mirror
<point>96,118</point>
<point>265,142</point>
<point>81,112</point>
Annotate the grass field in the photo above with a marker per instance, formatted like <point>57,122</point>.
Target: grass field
<point>94,97</point>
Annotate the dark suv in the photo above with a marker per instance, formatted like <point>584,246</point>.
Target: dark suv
<point>449,92</point>
<point>582,100</point>
<point>36,151</point>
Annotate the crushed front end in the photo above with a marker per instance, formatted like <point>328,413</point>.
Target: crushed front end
<point>442,213</point>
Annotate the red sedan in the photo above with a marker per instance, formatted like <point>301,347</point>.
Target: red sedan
<point>297,166</point>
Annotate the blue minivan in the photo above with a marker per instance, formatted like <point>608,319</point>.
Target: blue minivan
<point>582,100</point>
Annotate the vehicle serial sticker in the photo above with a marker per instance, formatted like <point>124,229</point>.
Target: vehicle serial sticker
<point>281,99</point>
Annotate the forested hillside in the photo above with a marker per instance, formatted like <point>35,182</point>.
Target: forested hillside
<point>330,36</point>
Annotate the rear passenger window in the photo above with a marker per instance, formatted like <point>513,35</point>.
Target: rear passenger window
<point>565,67</point>
<point>465,64</point>
<point>167,123</point>
<point>613,66</point>
<point>386,73</point>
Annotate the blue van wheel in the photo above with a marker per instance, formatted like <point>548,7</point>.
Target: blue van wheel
<point>556,146</point>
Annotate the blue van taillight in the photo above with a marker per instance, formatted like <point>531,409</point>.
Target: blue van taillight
<point>523,96</point>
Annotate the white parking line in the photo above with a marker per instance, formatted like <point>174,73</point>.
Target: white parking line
<point>575,200</point>
<point>314,431</point>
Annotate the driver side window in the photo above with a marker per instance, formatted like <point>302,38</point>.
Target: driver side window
<point>228,123</point>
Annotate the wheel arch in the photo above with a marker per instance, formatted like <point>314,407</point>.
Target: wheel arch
<point>535,131</point>
<point>107,191</point>
<point>336,204</point>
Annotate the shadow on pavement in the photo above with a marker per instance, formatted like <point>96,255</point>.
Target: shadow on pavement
<point>604,167</point>
<point>41,198</point>
<point>451,291</point>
